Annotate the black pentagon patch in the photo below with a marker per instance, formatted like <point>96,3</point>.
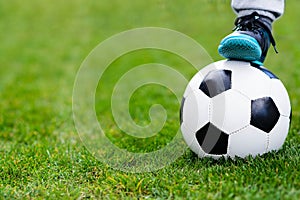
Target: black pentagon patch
<point>212,140</point>
<point>266,71</point>
<point>264,114</point>
<point>181,110</point>
<point>216,82</point>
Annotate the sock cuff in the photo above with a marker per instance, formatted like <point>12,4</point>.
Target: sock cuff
<point>270,17</point>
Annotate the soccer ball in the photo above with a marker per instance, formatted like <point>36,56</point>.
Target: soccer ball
<point>234,108</point>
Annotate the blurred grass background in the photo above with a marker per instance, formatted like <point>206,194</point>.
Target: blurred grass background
<point>41,156</point>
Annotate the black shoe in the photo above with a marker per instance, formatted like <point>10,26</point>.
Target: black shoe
<point>250,40</point>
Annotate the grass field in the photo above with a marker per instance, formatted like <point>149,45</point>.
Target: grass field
<point>43,44</point>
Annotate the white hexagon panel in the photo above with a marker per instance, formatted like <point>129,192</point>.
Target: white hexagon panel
<point>230,111</point>
<point>191,141</point>
<point>279,133</point>
<point>195,110</point>
<point>248,141</point>
<point>280,96</point>
<point>250,81</point>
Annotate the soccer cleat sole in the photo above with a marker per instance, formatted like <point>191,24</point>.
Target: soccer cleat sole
<point>240,47</point>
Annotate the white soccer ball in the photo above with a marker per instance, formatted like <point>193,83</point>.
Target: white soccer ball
<point>234,108</point>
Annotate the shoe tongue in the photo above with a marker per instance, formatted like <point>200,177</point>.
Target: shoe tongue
<point>266,21</point>
<point>262,19</point>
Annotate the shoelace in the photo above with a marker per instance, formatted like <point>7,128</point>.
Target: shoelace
<point>251,22</point>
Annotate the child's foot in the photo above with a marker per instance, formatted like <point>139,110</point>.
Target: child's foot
<point>250,41</point>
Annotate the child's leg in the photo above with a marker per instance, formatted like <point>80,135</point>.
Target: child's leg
<point>269,8</point>
<point>252,36</point>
